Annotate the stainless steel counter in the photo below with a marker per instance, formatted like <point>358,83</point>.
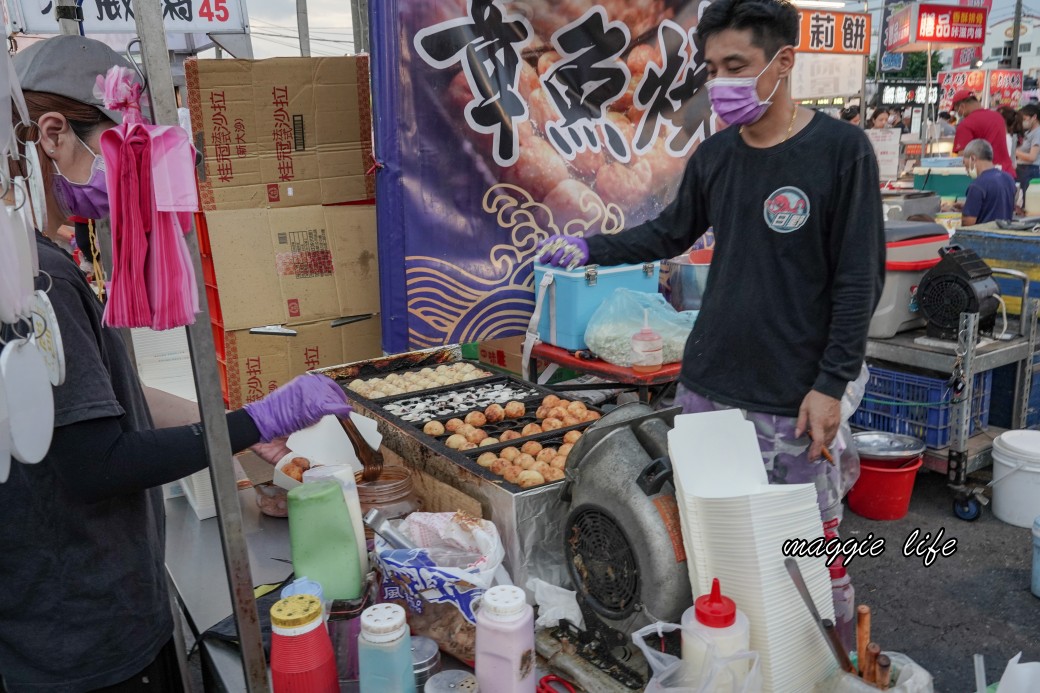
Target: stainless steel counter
<point>196,563</point>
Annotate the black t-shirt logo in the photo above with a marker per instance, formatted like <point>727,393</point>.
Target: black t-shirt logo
<point>786,210</point>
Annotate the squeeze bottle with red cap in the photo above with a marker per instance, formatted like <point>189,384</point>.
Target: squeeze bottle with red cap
<point>647,348</point>
<point>715,619</point>
<point>844,597</point>
<point>505,659</point>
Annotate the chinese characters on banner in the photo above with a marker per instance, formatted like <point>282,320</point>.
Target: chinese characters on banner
<point>902,93</point>
<point>513,120</point>
<point>890,62</point>
<point>967,57</point>
<point>951,82</point>
<point>898,32</point>
<point>818,76</point>
<point>943,23</point>
<point>1005,88</point>
<point>117,16</point>
<point>834,32</point>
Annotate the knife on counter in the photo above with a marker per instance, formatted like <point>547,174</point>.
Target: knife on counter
<point>830,634</point>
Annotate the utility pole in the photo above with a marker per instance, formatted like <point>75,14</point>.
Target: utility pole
<point>359,24</point>
<point>1015,33</point>
<point>303,28</point>
<point>69,16</point>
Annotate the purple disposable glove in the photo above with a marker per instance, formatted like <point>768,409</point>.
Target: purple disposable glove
<point>564,251</point>
<point>299,403</point>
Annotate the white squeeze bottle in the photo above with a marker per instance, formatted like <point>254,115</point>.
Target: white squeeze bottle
<point>505,642</point>
<point>647,348</point>
<point>715,619</point>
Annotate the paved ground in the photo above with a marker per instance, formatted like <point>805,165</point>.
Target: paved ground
<point>975,601</point>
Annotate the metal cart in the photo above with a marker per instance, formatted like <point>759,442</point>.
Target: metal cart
<point>963,359</point>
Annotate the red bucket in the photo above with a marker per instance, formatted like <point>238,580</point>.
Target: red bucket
<point>883,489</point>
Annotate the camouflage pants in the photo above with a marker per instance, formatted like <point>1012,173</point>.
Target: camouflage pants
<point>786,457</point>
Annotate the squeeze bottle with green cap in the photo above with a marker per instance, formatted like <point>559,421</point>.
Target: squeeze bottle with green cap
<point>715,619</point>
<point>505,658</point>
<point>385,651</point>
<point>647,348</point>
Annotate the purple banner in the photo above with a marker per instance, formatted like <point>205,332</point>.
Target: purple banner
<point>500,123</point>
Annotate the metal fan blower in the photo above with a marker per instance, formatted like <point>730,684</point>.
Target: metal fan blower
<point>960,283</point>
<point>622,538</point>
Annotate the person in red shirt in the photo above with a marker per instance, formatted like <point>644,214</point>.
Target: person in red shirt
<point>981,123</point>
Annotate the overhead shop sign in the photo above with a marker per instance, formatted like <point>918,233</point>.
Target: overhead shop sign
<point>918,27</point>
<point>117,16</point>
<point>841,33</point>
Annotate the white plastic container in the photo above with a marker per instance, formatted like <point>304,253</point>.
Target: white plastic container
<point>1016,477</point>
<point>505,658</point>
<point>715,619</point>
<point>1033,200</point>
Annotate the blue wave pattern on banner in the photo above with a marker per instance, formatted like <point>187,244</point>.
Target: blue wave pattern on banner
<point>515,120</point>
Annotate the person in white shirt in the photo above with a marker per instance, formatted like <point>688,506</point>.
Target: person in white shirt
<point>1027,167</point>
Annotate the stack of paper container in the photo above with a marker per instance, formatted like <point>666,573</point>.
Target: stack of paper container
<point>734,525</point>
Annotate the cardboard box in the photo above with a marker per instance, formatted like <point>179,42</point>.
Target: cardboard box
<point>505,353</point>
<point>256,364</point>
<point>279,266</point>
<point>282,132</point>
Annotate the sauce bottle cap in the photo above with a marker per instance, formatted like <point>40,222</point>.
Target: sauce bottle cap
<point>715,610</point>
<point>383,623</point>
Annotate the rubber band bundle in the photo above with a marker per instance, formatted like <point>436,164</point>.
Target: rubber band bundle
<point>151,184</point>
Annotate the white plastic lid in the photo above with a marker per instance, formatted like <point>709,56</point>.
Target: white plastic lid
<point>383,623</point>
<point>1020,443</point>
<point>503,603</point>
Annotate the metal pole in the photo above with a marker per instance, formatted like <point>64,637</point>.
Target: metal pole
<point>156,61</point>
<point>927,101</point>
<point>66,11</point>
<point>303,28</point>
<point>1015,34</point>
<point>359,24</point>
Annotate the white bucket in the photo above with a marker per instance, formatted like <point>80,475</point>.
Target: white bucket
<point>1016,477</point>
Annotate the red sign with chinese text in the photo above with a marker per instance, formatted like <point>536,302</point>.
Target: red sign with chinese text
<point>951,24</point>
<point>951,82</point>
<point>1005,88</point>
<point>967,57</point>
<point>842,33</point>
<point>897,33</point>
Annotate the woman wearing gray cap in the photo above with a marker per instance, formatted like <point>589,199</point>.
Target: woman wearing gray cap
<point>84,604</point>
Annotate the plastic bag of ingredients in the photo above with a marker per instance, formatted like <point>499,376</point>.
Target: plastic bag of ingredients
<point>907,677</point>
<point>610,330</point>
<point>440,583</point>
<point>739,673</point>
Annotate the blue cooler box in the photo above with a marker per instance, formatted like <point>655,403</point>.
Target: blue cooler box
<point>577,293</point>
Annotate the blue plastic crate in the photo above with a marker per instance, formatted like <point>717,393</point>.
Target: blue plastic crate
<point>918,405</point>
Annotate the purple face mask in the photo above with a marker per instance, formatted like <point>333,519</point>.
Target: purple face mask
<point>88,200</point>
<point>735,99</point>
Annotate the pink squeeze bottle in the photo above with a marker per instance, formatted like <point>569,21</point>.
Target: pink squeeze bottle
<point>505,642</point>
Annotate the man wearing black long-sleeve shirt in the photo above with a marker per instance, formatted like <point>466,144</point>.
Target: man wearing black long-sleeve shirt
<point>794,201</point>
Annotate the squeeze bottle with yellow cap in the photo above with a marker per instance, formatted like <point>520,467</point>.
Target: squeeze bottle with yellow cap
<point>715,619</point>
